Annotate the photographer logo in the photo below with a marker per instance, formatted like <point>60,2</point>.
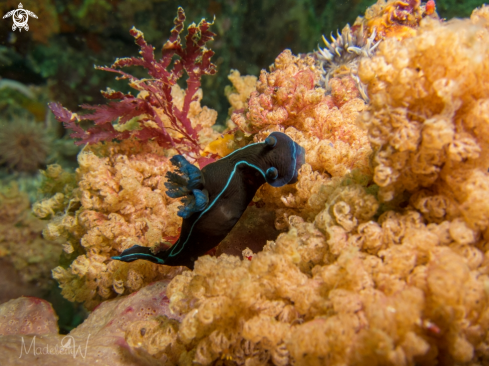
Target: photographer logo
<point>67,346</point>
<point>20,17</point>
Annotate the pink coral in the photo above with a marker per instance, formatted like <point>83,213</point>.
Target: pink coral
<point>287,98</point>
<point>283,97</point>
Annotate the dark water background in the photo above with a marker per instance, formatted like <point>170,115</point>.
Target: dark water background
<point>69,37</point>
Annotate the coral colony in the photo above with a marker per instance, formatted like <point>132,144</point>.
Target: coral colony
<point>382,256</point>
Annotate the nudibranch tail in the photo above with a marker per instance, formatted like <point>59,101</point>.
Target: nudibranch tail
<point>187,181</point>
<point>138,252</point>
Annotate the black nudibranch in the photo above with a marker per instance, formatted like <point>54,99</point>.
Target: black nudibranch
<point>217,195</point>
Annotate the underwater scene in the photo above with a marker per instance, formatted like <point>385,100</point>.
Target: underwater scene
<point>244,182</point>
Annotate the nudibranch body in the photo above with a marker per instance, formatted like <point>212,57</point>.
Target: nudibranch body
<point>217,195</point>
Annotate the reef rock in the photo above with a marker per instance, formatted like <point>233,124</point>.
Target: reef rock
<point>29,333</point>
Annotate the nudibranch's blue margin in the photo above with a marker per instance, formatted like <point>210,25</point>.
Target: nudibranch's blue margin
<point>172,254</point>
<point>139,256</point>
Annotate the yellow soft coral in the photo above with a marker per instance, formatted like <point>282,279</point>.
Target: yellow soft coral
<point>239,93</point>
<point>305,298</point>
<point>428,118</point>
<point>120,202</point>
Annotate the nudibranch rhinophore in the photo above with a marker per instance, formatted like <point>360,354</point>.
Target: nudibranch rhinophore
<point>217,195</point>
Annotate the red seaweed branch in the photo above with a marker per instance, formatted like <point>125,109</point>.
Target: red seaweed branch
<point>193,59</point>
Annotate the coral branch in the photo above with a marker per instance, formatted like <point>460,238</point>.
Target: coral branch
<point>102,132</point>
<point>154,107</point>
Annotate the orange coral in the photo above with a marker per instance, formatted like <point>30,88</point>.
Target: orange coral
<point>222,146</point>
<point>430,7</point>
<point>397,19</point>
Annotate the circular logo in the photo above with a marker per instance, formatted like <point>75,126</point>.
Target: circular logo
<point>20,17</point>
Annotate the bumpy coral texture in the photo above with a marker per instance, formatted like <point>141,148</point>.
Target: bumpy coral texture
<point>239,93</point>
<point>352,282</point>
<point>397,19</point>
<point>288,99</point>
<point>21,241</point>
<point>120,201</point>
<point>346,289</point>
<point>428,120</point>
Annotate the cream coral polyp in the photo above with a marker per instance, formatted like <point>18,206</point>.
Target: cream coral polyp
<point>421,117</point>
<point>119,202</point>
<point>395,306</point>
